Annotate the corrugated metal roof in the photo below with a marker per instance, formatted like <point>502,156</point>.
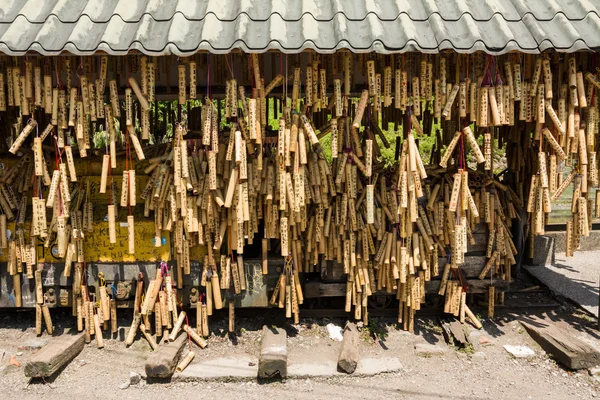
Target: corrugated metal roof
<point>183,27</point>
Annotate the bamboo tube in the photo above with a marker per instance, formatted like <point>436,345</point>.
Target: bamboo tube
<point>360,108</point>
<point>47,319</point>
<point>557,123</point>
<point>491,301</point>
<point>231,325</point>
<point>204,315</point>
<point>194,336</point>
<point>450,100</point>
<point>3,237</point>
<point>79,313</point>
<point>131,234</point>
<point>133,329</point>
<point>22,136</point>
<point>177,326</point>
<point>554,144</point>
<point>455,192</point>
<point>450,149</point>
<point>70,163</point>
<point>569,239</point>
<point>55,101</point>
<point>216,290</point>
<point>17,290</point>
<point>138,93</point>
<point>113,316</point>
<point>496,121</point>
<point>182,84</point>
<point>124,189</point>
<point>38,319</point>
<point>99,338</point>
<point>185,361</point>
<point>473,143</point>
<point>581,90</point>
<point>104,174</point>
<point>39,293</point>
<point>136,144</point>
<point>112,233</point>
<point>148,337</point>
<point>474,320</point>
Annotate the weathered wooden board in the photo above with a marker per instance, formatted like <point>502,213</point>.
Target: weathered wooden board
<point>349,354</point>
<point>321,289</point>
<point>561,341</point>
<point>332,271</point>
<point>162,363</point>
<point>273,353</point>
<point>55,355</point>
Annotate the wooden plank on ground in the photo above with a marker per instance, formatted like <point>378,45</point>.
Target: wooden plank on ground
<point>349,354</point>
<point>59,351</point>
<point>560,340</point>
<point>454,333</point>
<point>162,363</point>
<point>273,353</point>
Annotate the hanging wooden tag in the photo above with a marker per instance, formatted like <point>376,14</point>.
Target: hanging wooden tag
<point>554,144</point>
<point>450,149</point>
<point>182,84</point>
<point>132,189</point>
<point>543,169</point>
<point>22,136</point>
<point>104,174</point>
<point>483,106</point>
<point>450,100</point>
<point>138,93</point>
<point>360,109</point>
<point>112,233</point>
<point>455,192</point>
<point>473,143</point>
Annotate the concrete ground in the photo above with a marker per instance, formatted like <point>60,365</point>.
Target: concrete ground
<point>575,278</point>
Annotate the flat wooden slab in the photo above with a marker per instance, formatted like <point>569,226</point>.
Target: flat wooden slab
<point>349,354</point>
<point>321,289</point>
<point>162,362</point>
<point>560,340</point>
<point>59,351</point>
<point>273,354</point>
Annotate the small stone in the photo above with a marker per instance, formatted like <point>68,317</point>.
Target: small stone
<point>19,353</point>
<point>519,351</point>
<point>485,341</point>
<point>479,355</point>
<point>428,350</point>
<point>134,378</point>
<point>124,386</point>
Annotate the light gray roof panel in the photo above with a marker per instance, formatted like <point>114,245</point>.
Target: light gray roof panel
<point>183,27</point>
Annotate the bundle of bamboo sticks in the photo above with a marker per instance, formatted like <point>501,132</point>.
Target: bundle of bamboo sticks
<point>386,226</point>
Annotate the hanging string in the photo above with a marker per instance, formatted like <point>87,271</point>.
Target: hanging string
<point>128,166</point>
<point>229,66</point>
<point>208,88</point>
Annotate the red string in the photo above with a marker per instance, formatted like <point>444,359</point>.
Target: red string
<point>128,165</point>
